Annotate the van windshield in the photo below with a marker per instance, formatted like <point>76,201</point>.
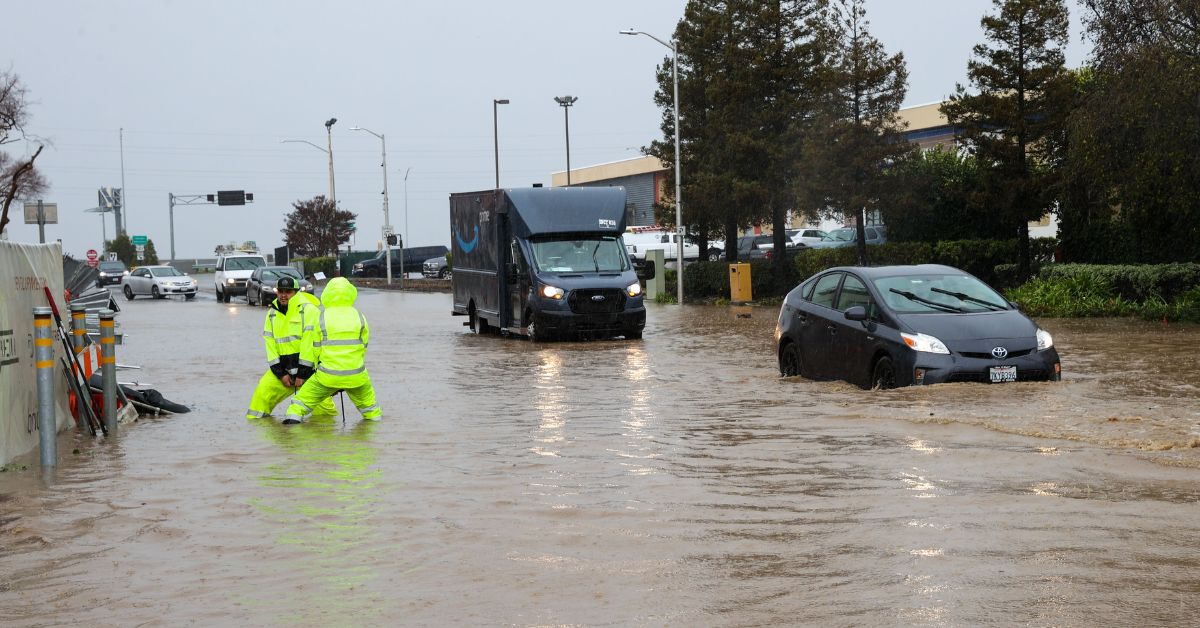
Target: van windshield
<point>577,255</point>
<point>244,263</point>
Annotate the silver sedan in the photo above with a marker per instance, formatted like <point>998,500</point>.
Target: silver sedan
<point>158,282</point>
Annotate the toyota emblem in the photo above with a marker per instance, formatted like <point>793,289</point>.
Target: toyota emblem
<point>598,297</point>
<point>999,353</point>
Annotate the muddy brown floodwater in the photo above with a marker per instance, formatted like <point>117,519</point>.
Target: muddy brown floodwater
<point>672,481</point>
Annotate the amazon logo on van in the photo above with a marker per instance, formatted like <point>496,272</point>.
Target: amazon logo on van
<point>465,246</point>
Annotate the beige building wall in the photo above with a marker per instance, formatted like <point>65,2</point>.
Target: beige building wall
<point>611,170</point>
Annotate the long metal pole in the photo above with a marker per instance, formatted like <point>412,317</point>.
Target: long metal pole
<point>108,369</point>
<point>567,124</point>
<point>332,191</point>
<point>47,422</point>
<point>402,244</point>
<point>386,220</point>
<point>678,198</point>
<point>41,223</point>
<point>124,205</point>
<point>496,138</point>
<point>171,215</point>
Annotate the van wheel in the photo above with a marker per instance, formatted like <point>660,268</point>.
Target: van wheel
<point>128,293</point>
<point>790,363</point>
<point>633,335</point>
<point>884,376</point>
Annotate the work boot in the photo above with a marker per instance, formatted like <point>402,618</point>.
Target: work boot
<point>290,421</point>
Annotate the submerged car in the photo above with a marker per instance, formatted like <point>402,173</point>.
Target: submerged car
<point>260,288</point>
<point>158,282</point>
<point>903,325</point>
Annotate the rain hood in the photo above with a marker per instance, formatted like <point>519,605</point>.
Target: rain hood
<point>339,293</point>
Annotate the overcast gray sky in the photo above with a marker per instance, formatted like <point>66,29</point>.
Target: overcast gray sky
<point>206,91</point>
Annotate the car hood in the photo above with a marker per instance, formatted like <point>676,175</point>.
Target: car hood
<point>963,329</point>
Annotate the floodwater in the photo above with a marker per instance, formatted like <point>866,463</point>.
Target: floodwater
<point>672,481</point>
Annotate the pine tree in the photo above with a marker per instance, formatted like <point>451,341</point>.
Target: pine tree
<point>1019,107</point>
<point>860,136</point>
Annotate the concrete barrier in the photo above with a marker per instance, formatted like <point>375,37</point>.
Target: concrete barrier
<point>24,270</point>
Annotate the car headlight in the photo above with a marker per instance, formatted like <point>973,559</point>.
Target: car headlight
<point>924,343</point>
<point>1044,339</point>
<point>268,289</point>
<point>194,282</point>
<point>103,274</point>
<point>550,292</point>
<point>634,289</point>
<point>126,272</point>
<point>307,288</point>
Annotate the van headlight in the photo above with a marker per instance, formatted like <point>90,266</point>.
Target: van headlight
<point>634,289</point>
<point>924,343</point>
<point>1044,339</point>
<point>550,292</point>
<point>230,281</point>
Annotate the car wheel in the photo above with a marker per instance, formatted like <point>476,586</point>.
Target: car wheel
<point>128,293</point>
<point>155,293</point>
<point>715,255</point>
<point>790,363</point>
<point>250,301</point>
<point>884,374</point>
<point>189,297</point>
<point>633,334</point>
<point>444,274</point>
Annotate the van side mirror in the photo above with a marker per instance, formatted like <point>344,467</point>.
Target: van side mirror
<point>648,273</point>
<point>514,273</point>
<point>856,313</point>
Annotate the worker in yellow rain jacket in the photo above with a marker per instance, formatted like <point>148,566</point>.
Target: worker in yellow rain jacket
<point>336,348</point>
<point>290,314</point>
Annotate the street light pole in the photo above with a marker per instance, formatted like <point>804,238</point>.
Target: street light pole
<point>674,47</point>
<point>406,171</point>
<point>496,136</point>
<point>329,133</point>
<point>566,102</point>
<point>387,223</point>
<point>323,151</point>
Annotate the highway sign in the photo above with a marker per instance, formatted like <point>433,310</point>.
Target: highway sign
<point>49,214</point>
<point>138,240</point>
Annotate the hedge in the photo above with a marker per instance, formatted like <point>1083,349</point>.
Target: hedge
<point>1166,291</point>
<point>1133,282</point>
<point>982,258</point>
<point>327,265</point>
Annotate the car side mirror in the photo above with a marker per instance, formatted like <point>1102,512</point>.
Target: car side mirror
<point>856,313</point>
<point>1013,305</point>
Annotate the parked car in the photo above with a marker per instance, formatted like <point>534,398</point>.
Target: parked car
<point>233,272</point>
<point>891,326</point>
<point>848,236</point>
<point>260,288</point>
<point>158,282</point>
<point>754,247</point>
<point>414,259</point>
<point>436,268</point>
<point>111,273</point>
<point>805,236</point>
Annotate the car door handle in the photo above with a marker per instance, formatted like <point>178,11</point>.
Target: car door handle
<point>832,329</point>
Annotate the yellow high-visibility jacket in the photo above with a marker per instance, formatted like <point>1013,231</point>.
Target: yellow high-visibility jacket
<point>283,333</point>
<point>337,344</point>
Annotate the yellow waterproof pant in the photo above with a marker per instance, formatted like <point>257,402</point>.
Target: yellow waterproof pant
<point>321,386</point>
<point>270,391</point>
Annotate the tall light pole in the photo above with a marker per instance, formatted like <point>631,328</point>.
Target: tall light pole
<point>566,102</point>
<point>674,47</point>
<point>323,151</point>
<point>387,223</point>
<point>496,136</point>
<point>406,171</point>
<point>329,134</point>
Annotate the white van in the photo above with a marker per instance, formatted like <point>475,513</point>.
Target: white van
<point>638,242</point>
<point>233,271</point>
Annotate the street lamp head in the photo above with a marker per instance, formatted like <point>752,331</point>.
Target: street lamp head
<point>330,122</point>
<point>630,31</point>
<point>502,101</point>
<point>357,128</point>
<point>565,101</point>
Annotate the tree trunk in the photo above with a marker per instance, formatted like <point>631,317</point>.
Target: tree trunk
<point>731,239</point>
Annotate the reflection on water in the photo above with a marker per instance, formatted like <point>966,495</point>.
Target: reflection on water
<point>320,499</point>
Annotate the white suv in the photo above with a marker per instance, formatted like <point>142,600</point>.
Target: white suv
<point>233,271</point>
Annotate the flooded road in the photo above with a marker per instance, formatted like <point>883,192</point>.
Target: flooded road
<point>672,481</point>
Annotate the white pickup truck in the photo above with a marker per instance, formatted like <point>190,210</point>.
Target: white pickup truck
<point>637,243</point>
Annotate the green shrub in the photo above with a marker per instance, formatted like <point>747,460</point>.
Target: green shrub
<point>312,265</point>
<point>1134,282</point>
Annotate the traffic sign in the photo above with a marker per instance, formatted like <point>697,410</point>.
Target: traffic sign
<point>140,248</point>
<point>138,240</point>
<point>112,257</point>
<point>93,258</point>
<point>141,256</point>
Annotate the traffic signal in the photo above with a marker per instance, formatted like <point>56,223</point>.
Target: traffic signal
<point>231,197</point>
<point>392,240</point>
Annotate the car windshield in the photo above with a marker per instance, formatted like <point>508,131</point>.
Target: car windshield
<point>275,273</point>
<point>165,271</point>
<point>112,266</point>
<point>580,255</point>
<point>243,263</point>
<point>840,235</point>
<point>922,294</point>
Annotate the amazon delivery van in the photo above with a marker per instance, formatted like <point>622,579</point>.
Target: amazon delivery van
<point>544,263</point>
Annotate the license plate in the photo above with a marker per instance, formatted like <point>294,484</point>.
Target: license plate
<point>1003,374</point>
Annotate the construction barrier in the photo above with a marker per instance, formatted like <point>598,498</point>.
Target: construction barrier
<point>25,270</point>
